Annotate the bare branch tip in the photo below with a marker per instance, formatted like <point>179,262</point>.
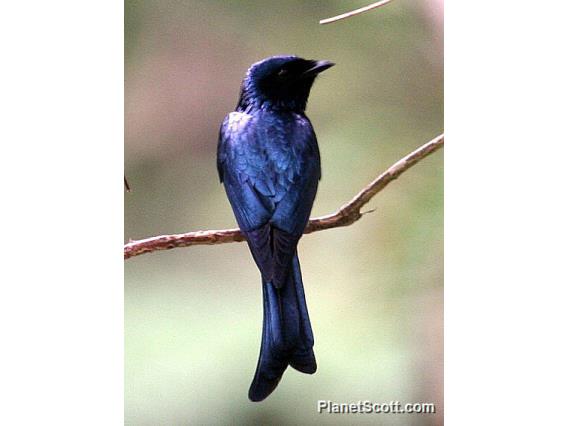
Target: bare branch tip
<point>354,12</point>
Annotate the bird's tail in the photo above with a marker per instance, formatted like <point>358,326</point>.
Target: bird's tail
<point>287,337</point>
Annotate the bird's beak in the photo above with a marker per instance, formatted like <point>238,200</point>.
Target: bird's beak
<point>318,66</point>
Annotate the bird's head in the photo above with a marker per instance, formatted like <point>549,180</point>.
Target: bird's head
<point>280,82</point>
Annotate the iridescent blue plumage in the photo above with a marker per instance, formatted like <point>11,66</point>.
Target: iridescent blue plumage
<point>269,163</point>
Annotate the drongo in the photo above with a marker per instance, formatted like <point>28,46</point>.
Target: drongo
<point>269,162</point>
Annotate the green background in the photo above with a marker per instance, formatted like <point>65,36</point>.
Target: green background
<point>374,289</point>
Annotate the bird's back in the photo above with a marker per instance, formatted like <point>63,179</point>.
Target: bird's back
<point>276,153</point>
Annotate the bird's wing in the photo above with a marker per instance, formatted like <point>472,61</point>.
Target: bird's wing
<point>292,211</point>
<point>239,168</point>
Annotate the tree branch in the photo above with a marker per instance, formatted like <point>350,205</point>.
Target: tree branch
<point>346,215</point>
<point>354,12</point>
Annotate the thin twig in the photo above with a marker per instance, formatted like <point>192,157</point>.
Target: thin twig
<point>354,12</point>
<point>346,215</point>
<point>126,186</point>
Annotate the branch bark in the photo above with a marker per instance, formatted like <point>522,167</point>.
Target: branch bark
<point>354,12</point>
<point>345,216</point>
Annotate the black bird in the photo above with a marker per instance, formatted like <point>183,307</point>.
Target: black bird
<point>268,160</point>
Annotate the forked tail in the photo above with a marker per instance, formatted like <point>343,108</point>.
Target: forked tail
<point>287,337</point>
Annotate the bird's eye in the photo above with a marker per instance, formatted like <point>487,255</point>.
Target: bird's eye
<point>282,72</point>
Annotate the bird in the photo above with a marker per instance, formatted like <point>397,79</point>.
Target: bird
<point>268,161</point>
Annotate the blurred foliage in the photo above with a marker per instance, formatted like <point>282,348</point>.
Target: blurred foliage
<point>374,289</point>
